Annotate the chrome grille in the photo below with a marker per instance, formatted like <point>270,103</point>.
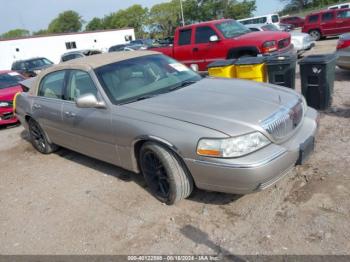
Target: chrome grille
<point>282,123</point>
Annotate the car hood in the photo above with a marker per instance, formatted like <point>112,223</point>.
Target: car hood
<point>230,106</point>
<point>263,36</point>
<point>299,35</point>
<point>7,94</point>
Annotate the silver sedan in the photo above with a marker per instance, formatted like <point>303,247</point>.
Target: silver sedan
<point>150,114</point>
<point>343,52</point>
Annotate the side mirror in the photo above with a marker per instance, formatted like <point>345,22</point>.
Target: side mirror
<point>89,101</point>
<point>214,38</point>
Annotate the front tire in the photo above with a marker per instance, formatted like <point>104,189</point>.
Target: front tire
<point>38,138</point>
<point>165,175</point>
<point>315,34</point>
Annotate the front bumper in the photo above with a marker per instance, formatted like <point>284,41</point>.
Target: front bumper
<point>343,59</point>
<point>7,116</point>
<point>255,171</point>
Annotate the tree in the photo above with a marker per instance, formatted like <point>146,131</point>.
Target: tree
<point>15,33</point>
<point>95,24</point>
<point>40,32</point>
<point>135,16</point>
<point>68,21</point>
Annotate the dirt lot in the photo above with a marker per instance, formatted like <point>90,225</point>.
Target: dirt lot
<point>66,203</point>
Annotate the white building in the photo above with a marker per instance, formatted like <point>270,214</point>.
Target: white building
<point>53,46</point>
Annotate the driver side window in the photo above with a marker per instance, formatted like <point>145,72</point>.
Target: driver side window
<point>203,34</point>
<point>79,83</point>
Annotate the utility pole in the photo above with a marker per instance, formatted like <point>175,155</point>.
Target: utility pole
<point>182,13</point>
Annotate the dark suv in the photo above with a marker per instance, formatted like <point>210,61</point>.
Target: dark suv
<point>31,67</point>
<point>327,23</point>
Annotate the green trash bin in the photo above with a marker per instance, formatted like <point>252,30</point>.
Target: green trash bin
<point>281,70</point>
<point>317,79</point>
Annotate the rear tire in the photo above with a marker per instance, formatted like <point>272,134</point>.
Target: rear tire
<point>315,34</point>
<point>39,139</point>
<point>164,173</point>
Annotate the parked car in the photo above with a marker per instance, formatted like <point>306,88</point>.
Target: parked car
<point>9,87</point>
<point>31,67</point>
<point>78,54</point>
<point>142,42</point>
<point>340,6</point>
<point>286,27</point>
<point>293,20</point>
<point>301,41</point>
<point>200,44</point>
<point>117,48</point>
<point>148,113</point>
<point>127,47</point>
<point>343,51</point>
<point>327,23</point>
<point>264,19</point>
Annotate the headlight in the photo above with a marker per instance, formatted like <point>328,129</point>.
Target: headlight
<point>232,147</point>
<point>5,104</point>
<point>269,46</point>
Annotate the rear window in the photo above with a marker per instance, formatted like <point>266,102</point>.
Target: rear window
<point>313,18</point>
<point>327,17</point>
<point>344,6</point>
<point>185,37</point>
<point>343,14</point>
<point>275,19</point>
<point>10,79</point>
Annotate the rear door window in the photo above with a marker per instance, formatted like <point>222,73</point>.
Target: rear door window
<point>203,34</point>
<point>185,37</point>
<point>313,18</point>
<point>327,17</point>
<point>79,83</point>
<point>52,85</point>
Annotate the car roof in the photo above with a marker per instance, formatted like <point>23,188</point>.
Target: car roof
<point>30,59</point>
<point>328,11</point>
<point>99,60</point>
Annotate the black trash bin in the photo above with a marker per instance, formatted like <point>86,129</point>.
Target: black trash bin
<point>281,70</point>
<point>317,79</point>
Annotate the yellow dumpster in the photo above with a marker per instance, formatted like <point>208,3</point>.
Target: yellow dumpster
<point>251,68</point>
<point>222,68</point>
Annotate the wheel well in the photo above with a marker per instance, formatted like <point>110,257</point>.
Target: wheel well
<point>140,143</point>
<point>315,29</point>
<point>27,118</point>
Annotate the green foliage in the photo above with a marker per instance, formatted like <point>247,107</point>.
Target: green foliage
<point>68,21</point>
<point>95,24</point>
<point>40,32</point>
<point>15,33</point>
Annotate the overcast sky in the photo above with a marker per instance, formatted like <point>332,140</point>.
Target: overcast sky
<point>36,14</point>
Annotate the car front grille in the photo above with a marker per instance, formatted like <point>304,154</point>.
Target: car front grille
<point>283,43</point>
<point>282,123</point>
<point>7,116</point>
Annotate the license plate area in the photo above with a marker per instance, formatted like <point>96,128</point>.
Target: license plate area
<point>305,150</point>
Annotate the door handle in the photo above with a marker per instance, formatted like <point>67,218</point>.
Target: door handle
<point>36,106</point>
<point>69,114</point>
<point>195,49</point>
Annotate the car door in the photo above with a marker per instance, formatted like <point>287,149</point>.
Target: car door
<point>47,105</point>
<point>343,21</point>
<point>205,51</point>
<point>88,130</point>
<point>328,23</point>
<point>183,49</point>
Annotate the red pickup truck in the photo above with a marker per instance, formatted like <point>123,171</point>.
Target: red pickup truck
<point>200,44</point>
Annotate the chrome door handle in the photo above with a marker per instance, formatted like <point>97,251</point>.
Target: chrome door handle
<point>69,114</point>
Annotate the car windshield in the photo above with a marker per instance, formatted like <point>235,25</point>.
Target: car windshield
<point>270,27</point>
<point>143,77</point>
<point>10,79</point>
<point>232,28</point>
<point>37,63</point>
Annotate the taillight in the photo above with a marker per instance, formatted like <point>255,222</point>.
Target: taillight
<point>343,44</point>
<point>269,46</point>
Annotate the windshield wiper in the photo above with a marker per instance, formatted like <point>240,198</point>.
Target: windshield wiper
<point>183,84</point>
<point>137,99</point>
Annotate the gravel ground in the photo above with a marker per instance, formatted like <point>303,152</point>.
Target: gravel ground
<point>67,203</point>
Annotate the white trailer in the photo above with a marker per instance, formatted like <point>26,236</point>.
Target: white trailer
<point>53,46</point>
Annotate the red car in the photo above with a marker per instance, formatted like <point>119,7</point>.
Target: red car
<point>200,44</point>
<point>296,21</point>
<point>9,87</point>
<point>327,23</point>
